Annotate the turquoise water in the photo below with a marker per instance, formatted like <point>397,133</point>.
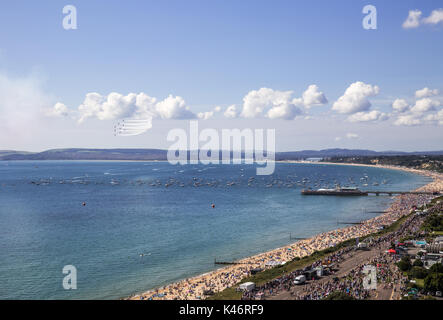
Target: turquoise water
<point>163,212</point>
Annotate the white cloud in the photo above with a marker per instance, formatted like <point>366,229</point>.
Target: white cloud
<point>373,115</point>
<point>256,101</point>
<point>408,120</point>
<point>59,110</point>
<point>435,17</point>
<point>436,117</point>
<point>425,105</point>
<point>278,104</point>
<point>146,105</point>
<point>355,98</point>
<point>413,19</point>
<point>285,111</point>
<point>313,96</point>
<point>418,113</point>
<point>117,106</point>
<point>23,103</point>
<point>174,108</point>
<point>351,135</point>
<point>400,105</point>
<point>208,114</point>
<point>337,138</point>
<point>266,102</point>
<point>425,92</point>
<point>231,112</point>
<point>205,115</point>
<point>114,106</point>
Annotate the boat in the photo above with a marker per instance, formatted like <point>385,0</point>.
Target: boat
<point>338,191</point>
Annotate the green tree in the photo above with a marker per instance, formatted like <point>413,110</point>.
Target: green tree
<point>418,272</point>
<point>434,282</point>
<point>433,223</point>
<point>404,264</point>
<point>417,263</point>
<point>436,268</point>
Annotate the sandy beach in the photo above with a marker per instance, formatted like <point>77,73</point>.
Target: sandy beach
<point>220,279</point>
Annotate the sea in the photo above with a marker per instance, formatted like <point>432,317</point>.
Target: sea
<point>128,227</point>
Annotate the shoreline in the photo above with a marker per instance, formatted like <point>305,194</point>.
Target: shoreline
<point>225,277</point>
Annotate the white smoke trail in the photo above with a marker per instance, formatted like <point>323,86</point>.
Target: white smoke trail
<point>132,127</point>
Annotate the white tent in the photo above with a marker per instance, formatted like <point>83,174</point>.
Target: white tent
<point>247,286</point>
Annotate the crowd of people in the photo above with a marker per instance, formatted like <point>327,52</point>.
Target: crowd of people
<point>351,283</point>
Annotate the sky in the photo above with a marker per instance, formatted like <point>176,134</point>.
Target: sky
<point>308,69</point>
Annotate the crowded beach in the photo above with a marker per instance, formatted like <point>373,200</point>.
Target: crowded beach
<point>201,286</point>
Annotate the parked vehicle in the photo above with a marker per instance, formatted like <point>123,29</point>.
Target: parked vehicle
<point>300,280</point>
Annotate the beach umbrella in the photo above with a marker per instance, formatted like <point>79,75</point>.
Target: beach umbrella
<point>392,251</point>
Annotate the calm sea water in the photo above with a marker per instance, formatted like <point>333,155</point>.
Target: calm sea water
<point>163,212</point>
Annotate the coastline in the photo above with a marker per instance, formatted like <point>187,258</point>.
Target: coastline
<point>225,277</point>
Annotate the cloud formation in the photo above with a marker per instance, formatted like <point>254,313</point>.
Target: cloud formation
<point>400,105</point>
<point>138,106</point>
<point>408,120</point>
<point>264,102</point>
<point>373,115</point>
<point>231,112</point>
<point>424,110</point>
<point>275,104</point>
<point>414,19</point>
<point>425,92</point>
<point>436,118</point>
<point>208,114</point>
<point>436,17</point>
<point>313,97</point>
<point>58,110</point>
<point>425,105</point>
<point>23,102</point>
<point>261,103</point>
<point>205,115</point>
<point>355,98</point>
<point>173,108</point>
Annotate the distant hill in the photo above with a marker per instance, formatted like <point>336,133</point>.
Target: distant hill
<point>432,162</point>
<point>158,154</point>
<point>328,153</point>
<point>12,152</point>
<point>89,154</point>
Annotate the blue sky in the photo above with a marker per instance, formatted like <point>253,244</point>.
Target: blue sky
<point>213,53</point>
